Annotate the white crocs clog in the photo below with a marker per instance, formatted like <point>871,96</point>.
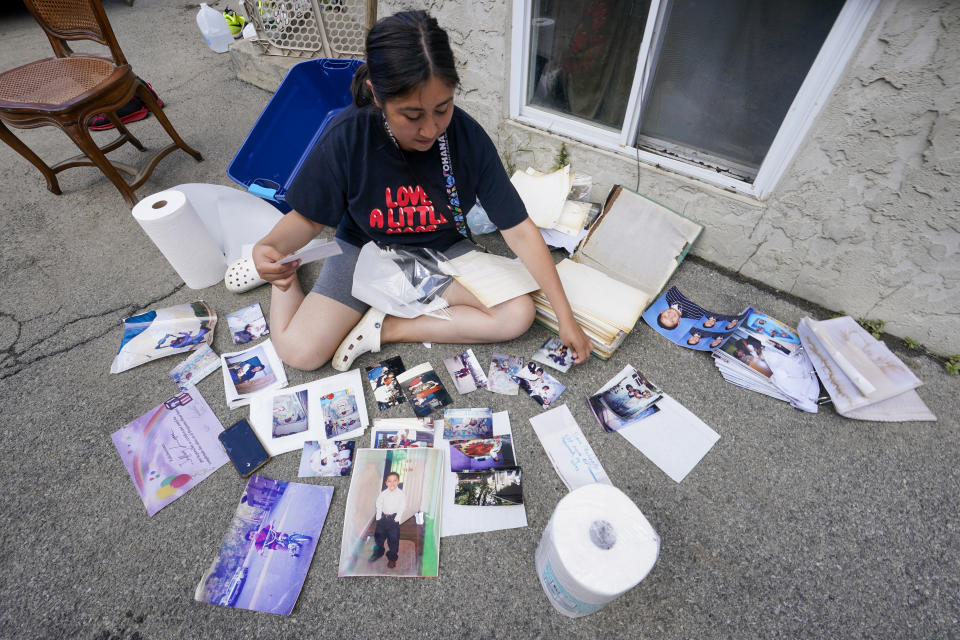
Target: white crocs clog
<point>363,338</point>
<point>242,276</point>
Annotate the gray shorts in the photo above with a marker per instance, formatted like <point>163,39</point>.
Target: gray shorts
<point>336,276</point>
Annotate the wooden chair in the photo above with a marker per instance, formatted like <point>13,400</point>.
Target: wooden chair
<point>68,90</point>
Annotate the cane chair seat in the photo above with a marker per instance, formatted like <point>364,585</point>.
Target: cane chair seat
<point>52,82</point>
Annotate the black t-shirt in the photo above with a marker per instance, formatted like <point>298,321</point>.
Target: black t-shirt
<point>356,179</point>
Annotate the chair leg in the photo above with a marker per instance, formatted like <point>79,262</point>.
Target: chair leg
<point>17,145</point>
<point>82,138</point>
<point>155,109</point>
<point>123,131</point>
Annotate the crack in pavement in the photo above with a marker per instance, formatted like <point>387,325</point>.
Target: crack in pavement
<point>11,357</point>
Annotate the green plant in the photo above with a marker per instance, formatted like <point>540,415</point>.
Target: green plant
<point>562,158</point>
<point>912,344</point>
<point>875,327</point>
<point>953,365</point>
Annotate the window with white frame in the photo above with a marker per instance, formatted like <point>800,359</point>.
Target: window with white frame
<point>723,90</point>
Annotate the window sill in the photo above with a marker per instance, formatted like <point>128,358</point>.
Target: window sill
<point>692,176</point>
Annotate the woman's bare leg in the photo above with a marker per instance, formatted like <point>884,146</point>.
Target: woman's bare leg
<point>307,329</point>
<point>471,322</point>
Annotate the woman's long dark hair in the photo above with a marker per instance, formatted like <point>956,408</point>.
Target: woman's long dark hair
<point>403,51</point>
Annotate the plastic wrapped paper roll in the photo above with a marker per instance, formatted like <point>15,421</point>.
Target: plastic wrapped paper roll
<point>596,546</point>
<point>174,226</point>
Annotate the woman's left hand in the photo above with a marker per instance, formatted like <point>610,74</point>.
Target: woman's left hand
<point>573,336</point>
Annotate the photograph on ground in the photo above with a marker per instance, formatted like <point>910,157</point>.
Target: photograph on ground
<point>539,385</point>
<point>268,547</point>
<point>247,324</point>
<point>465,370</point>
<point>629,396</point>
<point>480,454</point>
<point>467,423</point>
<point>503,369</point>
<point>424,390</point>
<point>197,366</point>
<point>494,488</point>
<point>383,380</point>
<point>250,370</point>
<point>684,322</point>
<point>340,414</point>
<point>290,414</point>
<point>554,354</point>
<point>392,518</point>
<point>326,459</point>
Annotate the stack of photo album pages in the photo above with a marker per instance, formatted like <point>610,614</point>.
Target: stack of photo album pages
<point>627,257</point>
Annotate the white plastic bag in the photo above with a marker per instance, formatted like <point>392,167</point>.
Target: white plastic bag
<point>400,281</point>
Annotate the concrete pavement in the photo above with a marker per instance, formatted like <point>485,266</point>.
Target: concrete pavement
<point>794,525</point>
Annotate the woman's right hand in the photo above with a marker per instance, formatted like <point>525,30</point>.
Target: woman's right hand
<point>265,259</point>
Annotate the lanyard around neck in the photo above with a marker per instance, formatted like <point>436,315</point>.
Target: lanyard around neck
<point>446,165</point>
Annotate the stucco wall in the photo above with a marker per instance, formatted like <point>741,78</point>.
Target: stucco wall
<point>865,221</point>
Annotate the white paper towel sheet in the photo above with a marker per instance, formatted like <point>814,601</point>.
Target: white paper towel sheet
<point>596,546</point>
<point>200,228</point>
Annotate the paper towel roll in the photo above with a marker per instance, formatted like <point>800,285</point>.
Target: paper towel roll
<point>174,226</point>
<point>596,546</point>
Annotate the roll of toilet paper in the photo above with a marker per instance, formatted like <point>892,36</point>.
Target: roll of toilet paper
<point>596,546</point>
<point>174,226</point>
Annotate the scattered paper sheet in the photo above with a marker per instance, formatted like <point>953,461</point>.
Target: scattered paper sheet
<point>568,449</point>
<point>491,278</point>
<point>285,419</point>
<point>314,250</point>
<point>543,195</point>
<point>459,519</point>
<point>673,438</point>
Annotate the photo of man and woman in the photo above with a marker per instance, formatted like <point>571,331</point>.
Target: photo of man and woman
<point>250,370</point>
<point>539,385</point>
<point>392,438</point>
<point>465,370</point>
<point>392,519</point>
<point>383,380</point>
<point>424,390</point>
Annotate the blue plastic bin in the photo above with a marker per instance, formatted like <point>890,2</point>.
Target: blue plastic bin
<point>310,95</point>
